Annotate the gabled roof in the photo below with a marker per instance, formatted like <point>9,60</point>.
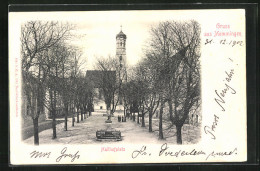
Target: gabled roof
<point>98,77</point>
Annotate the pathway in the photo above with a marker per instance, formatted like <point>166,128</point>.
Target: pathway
<point>84,132</point>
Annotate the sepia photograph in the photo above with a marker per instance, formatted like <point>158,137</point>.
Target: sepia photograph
<point>111,100</point>
<point>134,83</point>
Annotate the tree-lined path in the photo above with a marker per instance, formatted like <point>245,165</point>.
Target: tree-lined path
<point>85,132</point>
<point>163,87</point>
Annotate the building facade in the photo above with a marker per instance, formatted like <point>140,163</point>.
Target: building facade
<point>97,76</point>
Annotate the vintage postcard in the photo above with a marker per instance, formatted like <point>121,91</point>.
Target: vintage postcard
<point>136,86</point>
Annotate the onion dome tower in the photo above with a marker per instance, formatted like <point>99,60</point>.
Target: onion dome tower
<point>121,56</point>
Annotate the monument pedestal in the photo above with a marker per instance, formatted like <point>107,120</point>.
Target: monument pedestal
<point>108,121</point>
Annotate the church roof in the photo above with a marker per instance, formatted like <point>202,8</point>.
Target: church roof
<point>98,77</point>
<point>121,34</point>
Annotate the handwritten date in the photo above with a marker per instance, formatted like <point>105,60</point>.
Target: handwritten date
<point>231,43</point>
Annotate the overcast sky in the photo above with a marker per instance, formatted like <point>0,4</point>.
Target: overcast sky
<point>98,32</point>
<point>98,29</point>
<point>99,37</point>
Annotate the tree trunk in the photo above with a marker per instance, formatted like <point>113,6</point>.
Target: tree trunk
<point>54,116</point>
<point>38,107</point>
<point>54,125</point>
<point>160,122</point>
<point>179,138</point>
<point>85,112</point>
<point>77,115</point>
<point>107,106</point>
<point>138,117</point>
<point>81,114</point>
<point>170,110</point>
<point>150,121</point>
<point>73,115</point>
<point>73,118</point>
<point>36,131</point>
<point>66,117</point>
<point>143,123</point>
<point>134,117</point>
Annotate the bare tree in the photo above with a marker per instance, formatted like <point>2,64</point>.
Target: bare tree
<point>153,97</point>
<point>74,75</point>
<point>147,97</point>
<point>54,67</point>
<point>142,89</point>
<point>174,56</point>
<point>36,38</point>
<point>84,96</point>
<point>187,86</point>
<point>109,81</point>
<point>158,52</point>
<point>88,97</point>
<point>65,85</point>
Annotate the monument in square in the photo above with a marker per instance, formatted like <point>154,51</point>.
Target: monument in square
<point>109,132</point>
<point>121,56</point>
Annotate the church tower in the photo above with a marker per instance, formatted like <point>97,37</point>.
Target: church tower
<point>121,56</point>
<point>121,48</point>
